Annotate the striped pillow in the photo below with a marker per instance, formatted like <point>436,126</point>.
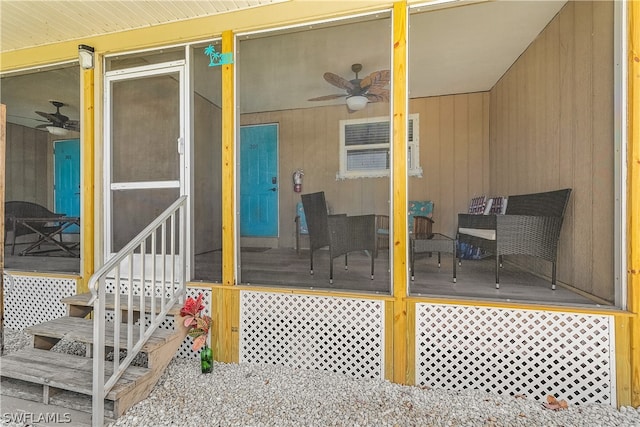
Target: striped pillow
<point>477,205</point>
<point>498,206</point>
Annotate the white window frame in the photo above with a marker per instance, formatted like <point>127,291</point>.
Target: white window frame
<point>413,147</point>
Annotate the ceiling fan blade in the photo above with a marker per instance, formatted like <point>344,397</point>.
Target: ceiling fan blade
<point>54,117</point>
<point>338,81</point>
<point>72,125</point>
<point>378,97</point>
<point>327,97</point>
<point>49,116</point>
<point>377,78</point>
<point>27,118</point>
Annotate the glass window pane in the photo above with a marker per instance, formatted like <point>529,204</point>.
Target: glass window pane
<point>367,159</point>
<point>367,133</point>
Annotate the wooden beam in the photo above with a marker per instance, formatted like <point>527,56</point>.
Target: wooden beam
<point>226,311</point>
<point>633,197</point>
<point>87,144</point>
<point>228,165</point>
<point>399,196</point>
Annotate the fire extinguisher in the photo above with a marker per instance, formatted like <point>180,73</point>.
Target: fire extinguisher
<point>297,180</point>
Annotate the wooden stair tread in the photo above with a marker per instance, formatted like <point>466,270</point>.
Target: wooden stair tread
<point>81,330</point>
<point>83,301</point>
<point>65,371</point>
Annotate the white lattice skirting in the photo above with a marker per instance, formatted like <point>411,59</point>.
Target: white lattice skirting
<point>534,353</point>
<point>185,350</point>
<point>343,335</point>
<point>30,300</point>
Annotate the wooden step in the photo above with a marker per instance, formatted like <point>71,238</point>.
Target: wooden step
<point>47,334</point>
<point>43,376</point>
<point>79,304</point>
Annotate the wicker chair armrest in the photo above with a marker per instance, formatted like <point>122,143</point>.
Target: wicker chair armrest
<point>528,235</point>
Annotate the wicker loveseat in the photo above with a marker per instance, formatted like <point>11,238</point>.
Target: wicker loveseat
<point>530,226</point>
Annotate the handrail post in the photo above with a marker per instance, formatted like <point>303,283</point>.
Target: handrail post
<point>183,248</point>
<point>97,418</point>
<point>112,268</point>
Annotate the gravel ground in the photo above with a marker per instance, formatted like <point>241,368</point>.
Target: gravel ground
<point>270,395</point>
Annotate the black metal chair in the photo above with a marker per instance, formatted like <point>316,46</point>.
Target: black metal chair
<point>341,233</point>
<point>20,209</point>
<point>530,226</point>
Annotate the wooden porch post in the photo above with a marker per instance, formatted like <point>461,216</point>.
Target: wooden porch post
<point>633,194</point>
<point>226,314</point>
<point>88,180</point>
<point>399,194</point>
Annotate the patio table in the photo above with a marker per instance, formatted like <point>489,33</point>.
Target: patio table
<point>54,226</point>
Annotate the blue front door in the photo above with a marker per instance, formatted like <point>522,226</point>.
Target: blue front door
<point>259,181</point>
<point>66,156</point>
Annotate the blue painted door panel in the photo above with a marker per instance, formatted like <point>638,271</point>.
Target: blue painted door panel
<point>259,181</point>
<point>67,179</point>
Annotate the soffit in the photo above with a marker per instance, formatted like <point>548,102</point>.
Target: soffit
<point>27,24</point>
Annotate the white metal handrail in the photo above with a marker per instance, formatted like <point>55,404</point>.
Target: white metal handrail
<point>168,286</point>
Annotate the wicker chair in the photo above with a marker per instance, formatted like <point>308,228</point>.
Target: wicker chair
<point>531,226</point>
<point>341,233</point>
<point>19,209</point>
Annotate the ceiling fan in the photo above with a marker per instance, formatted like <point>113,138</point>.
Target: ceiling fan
<point>359,92</point>
<point>59,123</point>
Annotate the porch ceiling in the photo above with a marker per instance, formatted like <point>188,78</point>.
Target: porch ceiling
<point>33,23</point>
<point>454,50</point>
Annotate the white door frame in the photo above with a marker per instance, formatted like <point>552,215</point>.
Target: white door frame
<point>182,146</point>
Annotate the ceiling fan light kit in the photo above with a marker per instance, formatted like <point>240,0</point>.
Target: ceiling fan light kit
<point>58,131</point>
<point>357,102</point>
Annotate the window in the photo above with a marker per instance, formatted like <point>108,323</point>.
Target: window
<point>364,147</point>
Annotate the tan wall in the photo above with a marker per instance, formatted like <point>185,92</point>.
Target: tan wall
<point>453,131</point>
<point>309,139</point>
<point>28,165</point>
<point>552,127</point>
<point>454,154</point>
